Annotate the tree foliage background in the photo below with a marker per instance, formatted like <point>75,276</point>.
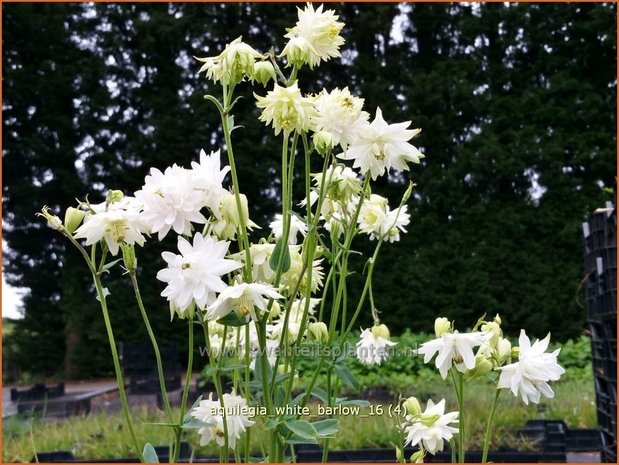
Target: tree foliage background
<point>517,103</point>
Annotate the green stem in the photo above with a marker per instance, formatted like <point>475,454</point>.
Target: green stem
<point>179,431</point>
<point>110,334</point>
<point>484,456</point>
<point>151,335</point>
<point>459,388</point>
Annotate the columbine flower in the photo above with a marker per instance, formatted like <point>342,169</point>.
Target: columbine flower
<point>211,413</point>
<point>228,220</point>
<point>320,31</point>
<point>381,146</point>
<point>295,318</point>
<point>340,182</point>
<point>340,114</point>
<point>377,220</point>
<point>117,223</point>
<point>170,201</point>
<point>243,298</point>
<point>431,428</point>
<point>233,64</point>
<point>207,178</point>
<point>195,274</point>
<point>453,348</point>
<point>291,277</point>
<point>530,375</point>
<point>371,347</point>
<point>296,226</point>
<point>285,108</point>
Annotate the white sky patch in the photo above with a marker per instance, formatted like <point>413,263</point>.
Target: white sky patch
<point>11,301</point>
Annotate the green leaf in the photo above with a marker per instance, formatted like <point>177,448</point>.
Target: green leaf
<point>294,439</point>
<point>281,247</point>
<point>187,416</point>
<point>355,402</point>
<point>347,377</point>
<point>320,394</point>
<point>193,424</point>
<point>232,319</point>
<point>108,266</point>
<point>150,456</point>
<point>271,423</point>
<point>297,400</point>
<point>326,427</point>
<point>302,428</point>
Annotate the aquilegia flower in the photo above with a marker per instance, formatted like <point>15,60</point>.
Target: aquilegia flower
<point>315,37</point>
<point>431,428</point>
<point>170,201</point>
<point>529,376</point>
<point>243,298</point>
<point>453,349</point>
<point>285,108</point>
<point>195,274</point>
<point>207,178</point>
<point>233,64</point>
<point>340,114</point>
<point>211,413</point>
<point>116,222</point>
<point>371,348</point>
<point>381,146</point>
<point>296,226</point>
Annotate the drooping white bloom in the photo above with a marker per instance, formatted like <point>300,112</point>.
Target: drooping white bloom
<point>233,64</point>
<point>378,221</point>
<point>260,257</point>
<point>243,298</point>
<point>211,413</point>
<point>340,114</point>
<point>453,348</point>
<point>291,276</point>
<point>529,376</point>
<point>320,31</point>
<point>339,181</point>
<point>371,348</point>
<point>296,226</point>
<point>286,109</point>
<point>431,428</point>
<point>227,221</point>
<point>381,146</point>
<point>207,178</point>
<point>117,222</point>
<point>195,274</point>
<point>170,201</point>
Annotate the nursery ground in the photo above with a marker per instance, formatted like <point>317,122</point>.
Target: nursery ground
<point>103,435</point>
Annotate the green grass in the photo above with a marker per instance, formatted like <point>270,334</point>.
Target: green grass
<point>105,435</point>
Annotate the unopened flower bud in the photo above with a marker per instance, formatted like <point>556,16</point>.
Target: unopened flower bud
<point>73,218</point>
<point>380,331</point>
<point>264,72</point>
<point>497,319</point>
<point>412,406</point>
<point>318,332</point>
<point>129,259</point>
<point>52,220</point>
<point>430,420</point>
<point>408,192</point>
<point>516,352</point>
<point>323,142</point>
<point>482,367</point>
<point>441,326</point>
<point>494,328</point>
<point>399,455</point>
<point>418,456</point>
<point>504,348</point>
<point>275,310</point>
<point>230,211</point>
<point>114,196</point>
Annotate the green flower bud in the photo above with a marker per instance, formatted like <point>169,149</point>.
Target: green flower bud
<point>380,331</point>
<point>73,218</point>
<point>129,259</point>
<point>399,455</point>
<point>504,348</point>
<point>297,51</point>
<point>516,352</point>
<point>264,72</point>
<point>408,192</point>
<point>497,319</point>
<point>230,212</point>
<point>318,332</point>
<point>52,220</point>
<point>494,328</point>
<point>418,456</point>
<point>114,196</point>
<point>441,325</point>
<point>323,142</point>
<point>412,406</point>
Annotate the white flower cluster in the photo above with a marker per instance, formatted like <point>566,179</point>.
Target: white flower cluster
<point>430,428</point>
<point>528,376</point>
